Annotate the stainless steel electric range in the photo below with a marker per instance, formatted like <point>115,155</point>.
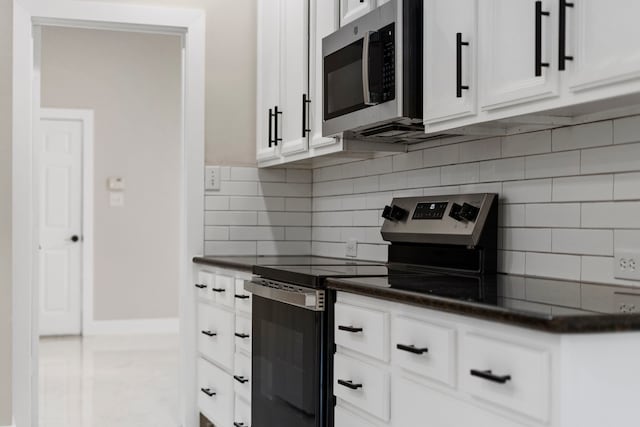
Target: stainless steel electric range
<point>443,245</point>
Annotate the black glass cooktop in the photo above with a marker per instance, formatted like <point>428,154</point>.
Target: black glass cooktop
<point>314,276</point>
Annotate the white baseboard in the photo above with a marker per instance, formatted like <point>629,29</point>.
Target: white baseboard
<point>132,327</point>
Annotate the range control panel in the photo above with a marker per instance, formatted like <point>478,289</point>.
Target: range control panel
<point>457,219</point>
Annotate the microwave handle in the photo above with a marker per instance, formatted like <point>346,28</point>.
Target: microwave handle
<point>365,69</point>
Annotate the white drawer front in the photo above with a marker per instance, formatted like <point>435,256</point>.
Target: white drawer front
<point>242,376</point>
<point>204,282</point>
<point>224,290</point>
<point>372,392</point>
<point>242,297</point>
<point>526,391</point>
<point>345,418</point>
<point>216,339</point>
<point>424,348</point>
<point>243,413</point>
<point>363,330</point>
<point>243,334</point>
<point>217,407</point>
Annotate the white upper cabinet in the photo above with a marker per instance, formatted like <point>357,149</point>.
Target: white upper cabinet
<point>294,75</point>
<point>269,37</point>
<point>606,43</point>
<point>324,21</point>
<point>450,47</point>
<point>351,10</point>
<point>518,51</point>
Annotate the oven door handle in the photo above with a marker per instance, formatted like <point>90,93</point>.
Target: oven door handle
<point>309,299</point>
<point>365,68</point>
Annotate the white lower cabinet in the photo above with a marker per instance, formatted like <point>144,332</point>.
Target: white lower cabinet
<point>223,346</point>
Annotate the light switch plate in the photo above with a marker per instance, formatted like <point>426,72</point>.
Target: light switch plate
<point>627,265</point>
<point>352,248</point>
<point>212,178</point>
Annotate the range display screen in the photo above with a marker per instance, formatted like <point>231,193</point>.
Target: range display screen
<point>430,210</point>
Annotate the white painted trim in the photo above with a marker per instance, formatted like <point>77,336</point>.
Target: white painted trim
<point>133,327</point>
<point>190,24</point>
<point>87,119</point>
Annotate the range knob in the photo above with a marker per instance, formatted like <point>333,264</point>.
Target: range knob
<point>469,212</point>
<point>394,213</point>
<point>455,212</point>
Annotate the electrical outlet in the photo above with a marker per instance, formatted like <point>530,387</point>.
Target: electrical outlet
<point>212,178</point>
<point>627,265</point>
<point>352,248</point>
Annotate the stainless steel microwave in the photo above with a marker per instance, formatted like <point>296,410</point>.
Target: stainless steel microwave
<point>372,75</point>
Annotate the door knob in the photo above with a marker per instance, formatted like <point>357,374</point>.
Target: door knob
<point>74,238</point>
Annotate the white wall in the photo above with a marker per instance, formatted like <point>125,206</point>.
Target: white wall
<point>5,211</point>
<point>569,197</point>
<point>132,82</point>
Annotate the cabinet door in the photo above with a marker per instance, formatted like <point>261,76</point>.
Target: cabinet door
<point>450,43</point>
<point>351,10</point>
<point>294,74</point>
<point>324,21</point>
<point>606,48</point>
<point>509,35</point>
<point>268,29</point>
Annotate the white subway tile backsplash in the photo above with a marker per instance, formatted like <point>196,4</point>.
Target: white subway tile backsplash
<point>230,218</point>
<point>600,270</point>
<point>298,233</point>
<point>256,233</point>
<point>303,176</point>
<point>352,203</point>
<point>611,215</point>
<point>379,166</point>
<point>466,173</point>
<point>230,248</point>
<point>292,219</point>
<point>511,262</point>
<point>354,170</point>
<point>440,156</point>
<point>378,200</point>
<point>480,150</point>
<point>272,175</point>
<point>328,173</point>
<point>256,203</point>
<point>552,265</point>
<point>407,161</point>
<point>423,178</point>
<point>244,174</point>
<point>333,188</point>
<point>238,188</point>
<point>502,169</point>
<point>333,219</point>
<point>326,204</point>
<point>552,165</point>
<point>627,186</point>
<point>326,234</point>
<point>583,188</point>
<point>583,241</point>
<point>368,184</point>
<point>216,203</point>
<point>553,215</point>
<point>283,248</point>
<point>583,136</point>
<point>284,189</point>
<point>619,158</point>
<point>526,144</point>
<point>532,191</point>
<point>512,215</point>
<point>295,204</point>
<point>626,130</point>
<point>216,233</point>
<point>491,187</point>
<point>627,240</point>
<point>394,181</point>
<point>527,239</point>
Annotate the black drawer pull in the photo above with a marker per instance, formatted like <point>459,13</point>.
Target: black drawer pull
<point>538,49</point>
<point>350,329</point>
<point>562,39</point>
<point>241,380</point>
<point>218,290</point>
<point>208,333</point>
<point>349,384</point>
<point>459,86</point>
<point>239,425</point>
<point>412,349</point>
<point>199,286</point>
<point>242,296</point>
<point>243,336</point>
<point>208,392</point>
<point>487,375</point>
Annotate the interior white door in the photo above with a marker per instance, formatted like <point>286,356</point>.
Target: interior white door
<point>60,218</point>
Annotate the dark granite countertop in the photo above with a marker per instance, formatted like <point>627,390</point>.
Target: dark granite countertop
<point>549,305</point>
<point>246,263</point>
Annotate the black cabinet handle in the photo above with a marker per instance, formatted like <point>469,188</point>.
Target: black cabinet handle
<point>539,14</point>
<point>412,349</point>
<point>305,128</point>
<point>208,333</point>
<point>241,380</point>
<point>459,86</point>
<point>218,290</point>
<point>350,329</point>
<point>200,286</point>
<point>349,384</point>
<point>239,425</point>
<point>276,112</point>
<point>562,47</point>
<point>243,336</point>
<point>208,392</point>
<point>270,126</point>
<point>489,376</point>
<point>242,296</point>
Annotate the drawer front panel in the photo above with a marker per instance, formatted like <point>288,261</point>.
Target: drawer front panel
<point>215,393</point>
<point>242,297</point>
<point>424,348</point>
<point>216,339</point>
<point>243,334</point>
<point>506,374</point>
<point>363,330</point>
<point>224,290</point>
<point>242,376</point>
<point>363,385</point>
<point>204,282</point>
<point>345,418</point>
<point>243,413</point>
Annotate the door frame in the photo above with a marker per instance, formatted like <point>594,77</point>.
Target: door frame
<point>86,118</point>
<point>28,15</point>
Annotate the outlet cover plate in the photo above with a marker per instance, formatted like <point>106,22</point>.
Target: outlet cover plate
<point>212,178</point>
<point>627,265</point>
<point>352,248</point>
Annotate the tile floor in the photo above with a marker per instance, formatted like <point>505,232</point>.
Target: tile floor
<point>109,381</point>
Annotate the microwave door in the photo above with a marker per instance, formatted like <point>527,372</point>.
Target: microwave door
<point>343,81</point>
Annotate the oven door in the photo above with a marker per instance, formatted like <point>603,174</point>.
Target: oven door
<point>288,353</point>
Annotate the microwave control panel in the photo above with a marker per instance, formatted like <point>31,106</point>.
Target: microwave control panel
<point>387,36</point>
